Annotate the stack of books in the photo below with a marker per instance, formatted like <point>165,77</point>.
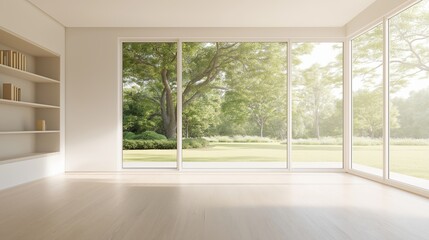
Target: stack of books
<point>13,59</point>
<point>10,92</point>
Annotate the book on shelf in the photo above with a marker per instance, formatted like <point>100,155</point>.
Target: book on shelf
<point>11,92</point>
<point>8,92</point>
<point>13,59</point>
<point>18,98</point>
<point>16,93</point>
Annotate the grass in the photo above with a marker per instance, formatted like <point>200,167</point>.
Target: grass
<point>409,160</point>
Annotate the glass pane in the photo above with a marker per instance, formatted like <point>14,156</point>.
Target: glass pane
<point>317,105</point>
<point>367,88</point>
<point>409,95</point>
<point>149,104</point>
<point>234,105</point>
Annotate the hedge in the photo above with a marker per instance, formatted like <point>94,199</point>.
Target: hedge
<point>147,135</point>
<point>163,144</point>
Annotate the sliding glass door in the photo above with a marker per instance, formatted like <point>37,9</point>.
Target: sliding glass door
<point>367,101</point>
<point>317,105</point>
<point>149,104</point>
<point>409,95</point>
<point>234,105</point>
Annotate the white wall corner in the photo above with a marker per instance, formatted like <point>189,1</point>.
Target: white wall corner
<point>374,14</point>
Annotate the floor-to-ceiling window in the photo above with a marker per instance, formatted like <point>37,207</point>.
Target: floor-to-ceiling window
<point>234,105</point>
<point>149,104</point>
<point>367,101</point>
<point>409,95</point>
<point>317,105</point>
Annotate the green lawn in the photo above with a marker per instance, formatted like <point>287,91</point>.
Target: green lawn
<point>409,160</point>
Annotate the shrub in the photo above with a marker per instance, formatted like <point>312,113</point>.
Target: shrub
<point>151,135</point>
<point>162,144</point>
<point>148,135</point>
<point>129,135</point>
<point>194,143</point>
<point>129,144</point>
<point>253,139</point>
<point>409,141</point>
<point>321,141</point>
<point>367,141</point>
<point>241,139</point>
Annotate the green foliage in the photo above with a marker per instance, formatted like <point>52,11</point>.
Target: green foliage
<point>139,113</point>
<point>228,88</point>
<point>163,144</point>
<point>367,141</point>
<point>202,117</point>
<point>148,135</point>
<point>148,144</point>
<point>128,135</point>
<point>149,74</point>
<point>368,113</point>
<point>256,103</point>
<point>414,115</point>
<point>194,143</point>
<point>240,139</point>
<point>316,94</point>
<point>409,142</point>
<point>409,46</point>
<point>320,141</point>
<point>151,135</point>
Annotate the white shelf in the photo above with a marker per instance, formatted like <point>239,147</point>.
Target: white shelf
<point>41,102</point>
<point>25,75</point>
<point>24,157</point>
<point>26,132</point>
<point>26,104</point>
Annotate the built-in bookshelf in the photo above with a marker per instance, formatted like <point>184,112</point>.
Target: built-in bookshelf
<point>34,75</point>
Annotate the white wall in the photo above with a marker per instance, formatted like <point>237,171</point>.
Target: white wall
<point>374,14</point>
<point>92,88</point>
<point>27,21</point>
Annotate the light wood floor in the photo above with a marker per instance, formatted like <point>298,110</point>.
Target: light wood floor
<point>218,206</point>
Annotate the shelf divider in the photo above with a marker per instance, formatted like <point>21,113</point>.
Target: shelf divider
<point>26,75</point>
<point>27,132</point>
<point>27,104</point>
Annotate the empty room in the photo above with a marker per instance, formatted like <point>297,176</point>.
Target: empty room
<point>214,120</point>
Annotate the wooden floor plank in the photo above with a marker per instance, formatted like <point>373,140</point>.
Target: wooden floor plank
<point>211,206</point>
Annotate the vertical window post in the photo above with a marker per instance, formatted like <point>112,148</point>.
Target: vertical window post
<point>385,99</point>
<point>179,105</point>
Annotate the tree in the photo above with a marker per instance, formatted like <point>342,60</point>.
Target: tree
<point>414,115</point>
<point>257,91</point>
<point>313,90</point>
<point>201,117</point>
<point>409,45</point>
<point>368,113</point>
<point>139,114</point>
<point>409,70</point>
<point>151,67</point>
<point>367,82</point>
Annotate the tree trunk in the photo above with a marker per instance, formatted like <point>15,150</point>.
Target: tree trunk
<point>168,109</point>
<point>316,125</point>
<point>262,129</point>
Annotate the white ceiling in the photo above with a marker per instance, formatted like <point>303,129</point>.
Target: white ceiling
<point>202,13</point>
